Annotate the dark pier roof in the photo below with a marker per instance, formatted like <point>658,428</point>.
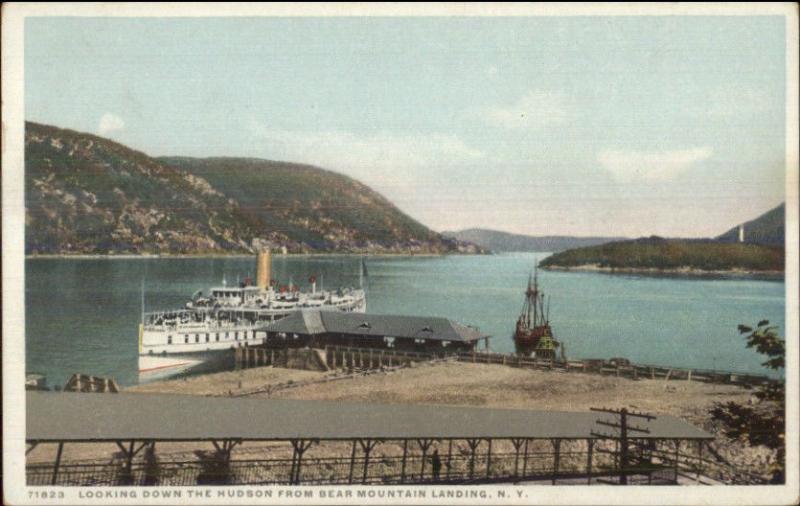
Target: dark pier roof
<point>65,417</point>
<point>314,322</point>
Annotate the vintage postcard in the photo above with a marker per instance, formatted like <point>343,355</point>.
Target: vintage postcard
<point>400,253</point>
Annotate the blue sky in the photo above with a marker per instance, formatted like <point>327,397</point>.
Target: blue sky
<point>542,125</point>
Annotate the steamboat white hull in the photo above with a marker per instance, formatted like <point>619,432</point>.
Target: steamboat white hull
<point>195,339</point>
<point>152,368</point>
<point>213,335</point>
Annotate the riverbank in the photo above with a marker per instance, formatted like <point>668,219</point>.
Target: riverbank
<point>241,255</point>
<point>680,271</point>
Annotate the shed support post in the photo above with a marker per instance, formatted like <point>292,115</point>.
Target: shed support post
<point>424,445</point>
<point>129,459</point>
<point>300,447</point>
<point>590,443</point>
<point>294,462</point>
<point>525,459</point>
<point>449,458</point>
<point>403,465</point>
<point>556,458</point>
<point>367,448</point>
<point>489,459</point>
<point>352,463</point>
<point>58,463</point>
<point>517,445</point>
<point>677,456</point>
<point>700,444</point>
<point>473,445</point>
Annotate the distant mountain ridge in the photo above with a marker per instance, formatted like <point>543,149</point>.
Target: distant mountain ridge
<point>767,229</point>
<point>85,194</point>
<point>496,240</point>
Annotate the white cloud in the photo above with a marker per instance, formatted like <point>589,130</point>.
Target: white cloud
<point>651,166</point>
<point>535,109</point>
<point>378,150</point>
<point>109,123</point>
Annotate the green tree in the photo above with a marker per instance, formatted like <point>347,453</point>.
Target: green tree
<point>762,423</point>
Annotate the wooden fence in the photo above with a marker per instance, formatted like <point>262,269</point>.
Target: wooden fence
<point>341,357</point>
<point>619,369</point>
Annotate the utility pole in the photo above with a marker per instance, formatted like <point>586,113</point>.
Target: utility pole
<point>623,427</point>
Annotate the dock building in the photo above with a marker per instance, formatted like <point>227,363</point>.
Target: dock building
<point>319,328</point>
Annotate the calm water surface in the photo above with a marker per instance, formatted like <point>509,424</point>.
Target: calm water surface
<point>82,314</point>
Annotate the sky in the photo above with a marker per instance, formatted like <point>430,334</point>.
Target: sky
<point>624,126</point>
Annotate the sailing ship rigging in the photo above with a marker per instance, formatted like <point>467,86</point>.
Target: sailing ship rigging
<point>533,335</point>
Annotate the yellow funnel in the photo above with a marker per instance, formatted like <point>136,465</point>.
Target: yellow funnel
<point>264,265</point>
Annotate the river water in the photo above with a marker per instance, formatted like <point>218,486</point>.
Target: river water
<point>82,314</point>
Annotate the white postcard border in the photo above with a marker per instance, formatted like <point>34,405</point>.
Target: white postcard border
<point>15,492</point>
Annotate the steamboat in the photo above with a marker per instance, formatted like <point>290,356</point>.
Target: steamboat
<point>176,341</point>
<point>533,336</point>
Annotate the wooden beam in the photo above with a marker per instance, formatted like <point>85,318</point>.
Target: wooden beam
<point>449,458</point>
<point>525,459</point>
<point>58,463</point>
<point>424,445</point>
<point>473,445</point>
<point>489,460</point>
<point>367,446</point>
<point>700,444</point>
<point>294,460</point>
<point>590,443</point>
<point>129,460</point>
<point>352,462</point>
<point>405,456</point>
<point>30,447</point>
<point>517,446</point>
<point>556,457</point>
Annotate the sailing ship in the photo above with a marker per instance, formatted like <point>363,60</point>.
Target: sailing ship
<point>175,341</point>
<point>533,336</point>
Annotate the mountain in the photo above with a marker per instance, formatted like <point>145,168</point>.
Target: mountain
<point>656,253</point>
<point>88,195</point>
<point>769,229</point>
<point>496,240</point>
<point>319,208</point>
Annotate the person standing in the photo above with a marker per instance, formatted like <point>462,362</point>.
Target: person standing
<point>436,463</point>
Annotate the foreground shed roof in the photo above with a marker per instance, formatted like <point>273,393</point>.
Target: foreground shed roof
<point>126,416</point>
<point>314,322</point>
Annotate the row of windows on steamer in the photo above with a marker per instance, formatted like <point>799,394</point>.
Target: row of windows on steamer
<point>216,336</point>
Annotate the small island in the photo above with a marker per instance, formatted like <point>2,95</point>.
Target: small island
<point>656,254</point>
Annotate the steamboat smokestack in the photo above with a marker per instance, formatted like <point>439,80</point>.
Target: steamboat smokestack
<point>264,264</point>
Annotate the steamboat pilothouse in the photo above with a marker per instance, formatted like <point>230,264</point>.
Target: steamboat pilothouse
<point>171,342</point>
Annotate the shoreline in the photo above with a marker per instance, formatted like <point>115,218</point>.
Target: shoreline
<point>237,255</point>
<point>680,271</point>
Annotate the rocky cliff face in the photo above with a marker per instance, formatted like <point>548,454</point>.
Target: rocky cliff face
<point>89,195</point>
